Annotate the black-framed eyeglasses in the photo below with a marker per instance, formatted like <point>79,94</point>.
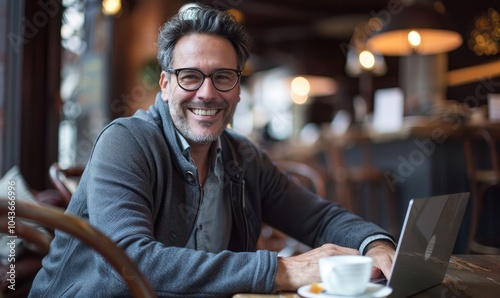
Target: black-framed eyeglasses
<point>191,79</point>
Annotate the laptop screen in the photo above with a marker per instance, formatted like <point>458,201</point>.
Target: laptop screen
<point>426,243</point>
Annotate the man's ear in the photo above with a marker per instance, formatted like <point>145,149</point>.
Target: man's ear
<point>163,85</point>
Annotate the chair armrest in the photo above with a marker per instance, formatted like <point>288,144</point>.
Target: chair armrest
<point>49,197</point>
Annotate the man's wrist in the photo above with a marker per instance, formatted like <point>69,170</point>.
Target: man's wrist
<point>365,245</point>
<point>383,242</point>
<point>280,281</point>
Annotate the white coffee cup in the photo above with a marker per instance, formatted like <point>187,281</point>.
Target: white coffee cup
<point>347,275</point>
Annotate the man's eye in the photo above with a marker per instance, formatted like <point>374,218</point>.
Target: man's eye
<point>190,76</point>
<point>224,76</point>
<point>221,77</point>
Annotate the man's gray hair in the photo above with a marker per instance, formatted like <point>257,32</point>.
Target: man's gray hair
<point>202,20</point>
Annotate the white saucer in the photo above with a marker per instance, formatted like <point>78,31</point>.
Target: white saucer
<point>372,291</point>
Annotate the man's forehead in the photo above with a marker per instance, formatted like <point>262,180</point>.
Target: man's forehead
<point>196,48</point>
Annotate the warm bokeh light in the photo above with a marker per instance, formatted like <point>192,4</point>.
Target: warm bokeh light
<point>300,86</point>
<point>420,28</point>
<point>111,7</point>
<point>414,38</point>
<point>485,37</point>
<point>299,99</point>
<point>237,14</point>
<point>367,59</point>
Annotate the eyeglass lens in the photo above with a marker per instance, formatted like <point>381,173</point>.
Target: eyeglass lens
<point>192,79</point>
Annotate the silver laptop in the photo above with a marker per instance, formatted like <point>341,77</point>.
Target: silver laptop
<point>426,243</point>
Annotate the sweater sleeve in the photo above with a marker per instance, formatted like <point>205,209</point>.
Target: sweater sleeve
<point>309,218</point>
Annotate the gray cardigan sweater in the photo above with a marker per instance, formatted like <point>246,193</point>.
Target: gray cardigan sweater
<point>141,192</point>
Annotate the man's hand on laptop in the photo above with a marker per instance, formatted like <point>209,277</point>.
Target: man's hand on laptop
<point>382,253</point>
<point>296,271</point>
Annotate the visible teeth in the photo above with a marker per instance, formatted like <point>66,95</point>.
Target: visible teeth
<point>204,112</point>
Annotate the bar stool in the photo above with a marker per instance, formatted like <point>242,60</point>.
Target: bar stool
<point>350,179</point>
<point>482,178</point>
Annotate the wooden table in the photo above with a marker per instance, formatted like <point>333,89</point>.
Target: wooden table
<point>467,276</point>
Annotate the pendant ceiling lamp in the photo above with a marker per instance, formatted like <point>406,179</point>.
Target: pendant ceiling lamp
<point>421,28</point>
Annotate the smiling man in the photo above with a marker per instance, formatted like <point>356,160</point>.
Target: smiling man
<point>185,196</point>
<point>202,110</point>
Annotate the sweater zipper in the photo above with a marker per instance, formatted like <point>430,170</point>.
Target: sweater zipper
<point>199,208</point>
<point>245,220</point>
<point>201,201</point>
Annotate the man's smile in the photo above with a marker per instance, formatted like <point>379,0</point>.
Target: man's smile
<point>204,112</point>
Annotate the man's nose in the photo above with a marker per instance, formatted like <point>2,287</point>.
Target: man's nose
<point>207,88</point>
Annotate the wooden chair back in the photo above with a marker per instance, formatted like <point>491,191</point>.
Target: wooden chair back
<point>305,175</point>
<point>55,218</point>
<point>65,180</point>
